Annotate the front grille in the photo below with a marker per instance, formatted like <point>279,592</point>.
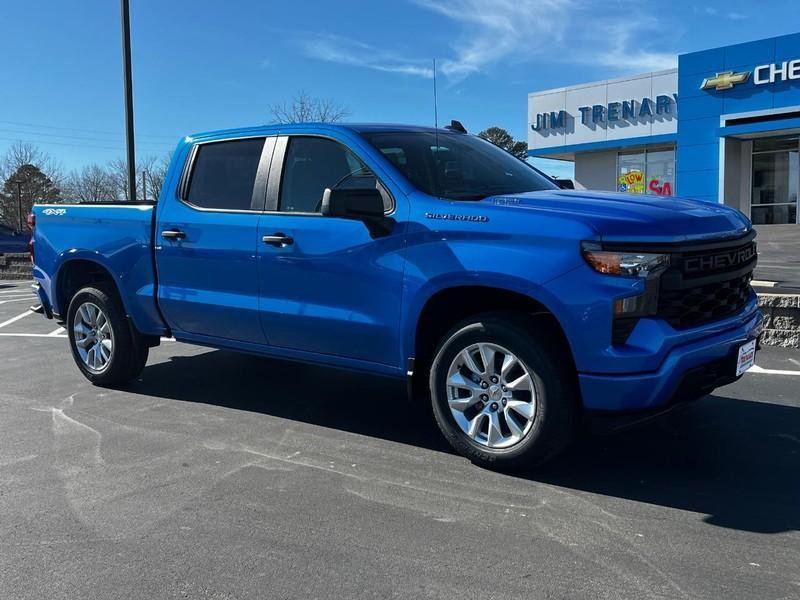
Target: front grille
<point>683,308</point>
<point>694,264</point>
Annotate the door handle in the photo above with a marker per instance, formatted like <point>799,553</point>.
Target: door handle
<point>173,234</point>
<point>279,240</point>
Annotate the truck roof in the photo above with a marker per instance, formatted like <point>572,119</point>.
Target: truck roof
<point>300,127</point>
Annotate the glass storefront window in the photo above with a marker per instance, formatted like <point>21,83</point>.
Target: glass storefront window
<point>630,173</point>
<point>776,181</point>
<point>648,172</point>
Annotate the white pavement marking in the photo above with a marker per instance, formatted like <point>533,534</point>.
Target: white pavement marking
<point>17,318</point>
<point>30,299</point>
<point>53,334</point>
<point>34,335</point>
<point>764,283</point>
<point>757,369</point>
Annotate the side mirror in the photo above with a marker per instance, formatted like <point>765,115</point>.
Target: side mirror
<point>360,205</point>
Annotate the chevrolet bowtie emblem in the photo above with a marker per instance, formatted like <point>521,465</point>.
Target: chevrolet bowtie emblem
<point>724,81</point>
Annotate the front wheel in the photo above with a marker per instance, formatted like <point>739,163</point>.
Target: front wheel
<point>503,396</point>
<point>107,350</point>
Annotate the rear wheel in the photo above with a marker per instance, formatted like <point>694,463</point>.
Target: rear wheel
<point>105,346</point>
<point>503,397</point>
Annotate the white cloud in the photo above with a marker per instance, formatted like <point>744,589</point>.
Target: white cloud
<point>618,49</point>
<point>492,32</point>
<point>345,51</point>
<point>496,29</point>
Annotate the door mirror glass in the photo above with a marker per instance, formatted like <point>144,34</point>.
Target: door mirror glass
<point>360,204</point>
<point>353,203</point>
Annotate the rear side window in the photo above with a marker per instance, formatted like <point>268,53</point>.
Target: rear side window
<point>313,164</point>
<point>224,174</point>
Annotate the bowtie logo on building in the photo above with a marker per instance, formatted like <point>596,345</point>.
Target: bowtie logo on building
<point>724,81</point>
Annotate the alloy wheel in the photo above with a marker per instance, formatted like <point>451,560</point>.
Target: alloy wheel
<point>491,395</point>
<point>94,338</point>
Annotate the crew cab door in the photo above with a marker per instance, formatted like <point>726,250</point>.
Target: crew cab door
<point>206,241</point>
<point>327,285</point>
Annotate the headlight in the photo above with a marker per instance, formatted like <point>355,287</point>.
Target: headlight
<point>629,264</point>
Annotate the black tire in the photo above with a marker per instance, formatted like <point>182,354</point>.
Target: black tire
<point>129,353</point>
<point>550,367</point>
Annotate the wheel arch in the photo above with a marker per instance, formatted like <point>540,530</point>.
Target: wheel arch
<point>450,305</point>
<point>75,273</point>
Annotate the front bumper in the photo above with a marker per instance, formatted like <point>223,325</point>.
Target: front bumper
<point>690,370</point>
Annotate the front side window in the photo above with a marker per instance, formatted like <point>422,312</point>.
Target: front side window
<point>224,174</point>
<point>456,166</point>
<point>313,164</point>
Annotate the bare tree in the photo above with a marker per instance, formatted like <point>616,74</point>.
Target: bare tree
<point>117,170</point>
<point>304,109</point>
<point>93,183</point>
<point>21,190</point>
<point>22,153</point>
<point>155,174</point>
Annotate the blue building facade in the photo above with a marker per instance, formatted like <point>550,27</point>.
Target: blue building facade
<point>733,136</point>
<point>738,130</point>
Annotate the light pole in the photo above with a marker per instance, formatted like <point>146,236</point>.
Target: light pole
<point>128,84</point>
<point>18,183</point>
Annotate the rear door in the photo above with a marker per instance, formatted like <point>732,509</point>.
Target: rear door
<point>329,287</point>
<point>206,241</point>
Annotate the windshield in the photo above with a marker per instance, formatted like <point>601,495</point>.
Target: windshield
<point>460,167</point>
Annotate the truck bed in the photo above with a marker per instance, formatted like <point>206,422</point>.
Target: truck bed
<point>114,235</point>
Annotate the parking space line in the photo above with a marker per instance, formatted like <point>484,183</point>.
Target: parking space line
<point>17,318</point>
<point>58,333</point>
<point>35,335</point>
<point>760,370</point>
<point>30,299</point>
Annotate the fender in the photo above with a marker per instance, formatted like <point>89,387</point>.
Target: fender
<point>411,315</point>
<point>129,282</point>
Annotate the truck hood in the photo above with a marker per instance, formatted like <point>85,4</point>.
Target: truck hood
<point>633,217</point>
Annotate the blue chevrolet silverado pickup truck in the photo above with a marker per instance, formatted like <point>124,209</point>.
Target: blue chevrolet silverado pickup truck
<point>418,253</point>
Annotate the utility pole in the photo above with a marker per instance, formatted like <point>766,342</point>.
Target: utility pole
<point>128,84</point>
<point>144,186</point>
<point>19,183</point>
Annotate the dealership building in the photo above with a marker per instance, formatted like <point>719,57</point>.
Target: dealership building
<point>722,127</point>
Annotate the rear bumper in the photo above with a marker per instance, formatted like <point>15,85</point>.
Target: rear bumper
<point>47,308</point>
<point>689,371</point>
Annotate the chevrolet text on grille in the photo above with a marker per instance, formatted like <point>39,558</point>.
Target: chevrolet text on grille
<point>721,260</point>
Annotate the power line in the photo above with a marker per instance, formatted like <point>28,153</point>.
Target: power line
<point>68,137</point>
<point>47,142</point>
<point>96,131</point>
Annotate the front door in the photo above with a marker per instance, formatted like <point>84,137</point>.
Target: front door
<point>327,286</point>
<point>776,181</point>
<point>206,242</point>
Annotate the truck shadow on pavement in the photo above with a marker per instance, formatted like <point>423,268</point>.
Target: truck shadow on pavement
<point>736,461</point>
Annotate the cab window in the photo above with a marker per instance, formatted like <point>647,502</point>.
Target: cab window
<point>313,164</point>
<point>224,173</point>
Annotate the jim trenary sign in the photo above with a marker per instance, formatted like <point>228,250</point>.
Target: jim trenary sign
<point>632,111</point>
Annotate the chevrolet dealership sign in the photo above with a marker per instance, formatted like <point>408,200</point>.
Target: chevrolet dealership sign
<point>787,70</point>
<point>617,109</point>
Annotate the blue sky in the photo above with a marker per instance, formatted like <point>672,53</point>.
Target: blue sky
<point>204,64</point>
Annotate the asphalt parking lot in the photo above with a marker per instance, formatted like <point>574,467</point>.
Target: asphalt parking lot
<point>222,476</point>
